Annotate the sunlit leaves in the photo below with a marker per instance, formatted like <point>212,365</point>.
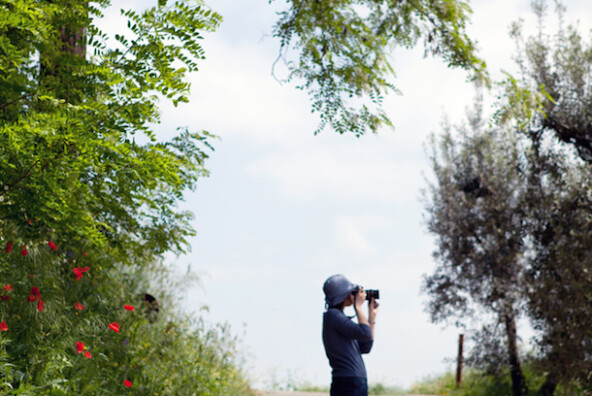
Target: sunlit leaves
<point>338,52</point>
<point>82,171</point>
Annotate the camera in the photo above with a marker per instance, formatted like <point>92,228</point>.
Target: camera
<point>370,293</point>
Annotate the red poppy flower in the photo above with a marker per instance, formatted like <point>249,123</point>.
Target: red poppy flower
<point>84,254</point>
<point>24,252</point>
<point>3,326</point>
<point>5,298</point>
<point>52,245</point>
<point>78,306</point>
<point>29,221</point>
<point>128,307</point>
<point>87,354</point>
<point>34,295</point>
<point>8,247</point>
<point>7,288</point>
<point>114,326</point>
<point>79,347</point>
<point>79,271</point>
<point>127,383</point>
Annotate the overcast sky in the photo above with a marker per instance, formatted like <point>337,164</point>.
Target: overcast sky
<point>283,210</point>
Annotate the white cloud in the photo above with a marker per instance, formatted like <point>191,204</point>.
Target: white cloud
<point>347,171</point>
<point>234,94</point>
<point>352,233</point>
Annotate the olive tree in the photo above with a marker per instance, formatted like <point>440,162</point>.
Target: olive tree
<point>475,211</point>
<point>550,102</point>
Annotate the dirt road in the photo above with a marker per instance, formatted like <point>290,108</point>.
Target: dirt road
<point>280,393</point>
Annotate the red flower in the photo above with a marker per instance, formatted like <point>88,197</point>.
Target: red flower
<point>3,326</point>
<point>79,347</point>
<point>128,307</point>
<point>24,252</point>
<point>114,326</point>
<point>52,245</point>
<point>127,383</point>
<point>8,247</point>
<point>84,254</point>
<point>34,295</point>
<point>79,271</point>
<point>78,306</point>
<point>29,221</point>
<point>87,354</point>
<point>6,288</point>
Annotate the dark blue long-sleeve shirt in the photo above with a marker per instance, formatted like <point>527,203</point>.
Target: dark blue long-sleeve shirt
<point>345,341</point>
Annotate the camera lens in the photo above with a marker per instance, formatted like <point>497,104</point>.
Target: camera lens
<point>370,294</point>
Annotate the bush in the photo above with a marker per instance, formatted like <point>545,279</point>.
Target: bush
<point>94,334</point>
<point>479,383</point>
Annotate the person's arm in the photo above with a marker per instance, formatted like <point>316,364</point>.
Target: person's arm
<point>359,299</point>
<point>372,309</point>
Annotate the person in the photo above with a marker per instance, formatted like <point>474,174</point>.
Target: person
<point>345,341</point>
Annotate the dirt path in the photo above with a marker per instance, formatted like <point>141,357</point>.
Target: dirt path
<point>280,393</point>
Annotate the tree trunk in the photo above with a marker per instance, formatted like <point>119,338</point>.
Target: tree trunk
<point>519,387</point>
<point>59,64</point>
<point>548,388</point>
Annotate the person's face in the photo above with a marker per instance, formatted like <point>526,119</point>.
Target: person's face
<point>349,301</point>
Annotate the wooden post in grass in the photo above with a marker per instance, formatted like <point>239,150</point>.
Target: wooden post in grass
<point>459,364</point>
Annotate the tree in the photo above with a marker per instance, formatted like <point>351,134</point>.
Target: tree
<point>558,274</point>
<point>87,193</point>
<point>475,211</point>
<point>553,90</point>
<point>342,50</point>
<point>551,101</point>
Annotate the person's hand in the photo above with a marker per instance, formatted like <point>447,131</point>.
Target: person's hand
<point>372,309</point>
<point>360,298</point>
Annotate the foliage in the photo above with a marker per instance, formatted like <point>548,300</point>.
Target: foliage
<point>342,50</point>
<point>540,214</point>
<point>88,202</point>
<point>69,155</point>
<point>555,68</point>
<point>475,210</point>
<point>553,91</point>
<point>166,356</point>
<point>479,383</point>
<point>511,215</point>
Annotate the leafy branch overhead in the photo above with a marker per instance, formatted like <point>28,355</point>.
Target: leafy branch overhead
<point>338,51</point>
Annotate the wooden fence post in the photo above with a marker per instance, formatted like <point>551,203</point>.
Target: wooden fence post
<point>459,364</point>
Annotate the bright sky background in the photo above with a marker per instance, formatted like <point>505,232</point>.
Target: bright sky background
<point>283,210</point>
